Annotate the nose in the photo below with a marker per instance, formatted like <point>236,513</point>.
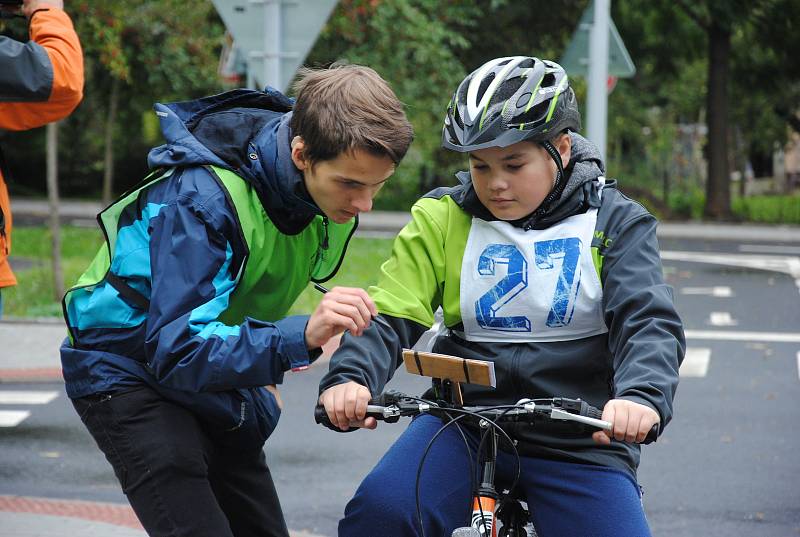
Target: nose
<point>498,183</point>
<point>363,203</point>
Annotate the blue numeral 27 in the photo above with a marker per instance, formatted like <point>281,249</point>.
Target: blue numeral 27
<point>516,280</point>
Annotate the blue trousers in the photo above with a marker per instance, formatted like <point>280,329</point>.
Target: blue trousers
<point>564,498</point>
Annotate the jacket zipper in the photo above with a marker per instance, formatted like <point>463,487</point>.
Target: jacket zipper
<point>325,228</point>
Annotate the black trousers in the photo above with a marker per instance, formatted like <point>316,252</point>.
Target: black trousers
<point>179,481</point>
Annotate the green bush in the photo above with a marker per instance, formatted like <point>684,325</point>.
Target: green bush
<point>687,205</point>
<point>768,209</point>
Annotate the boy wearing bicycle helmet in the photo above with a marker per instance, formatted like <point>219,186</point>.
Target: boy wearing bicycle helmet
<point>542,266</point>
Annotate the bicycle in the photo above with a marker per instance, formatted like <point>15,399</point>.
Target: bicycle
<point>489,505</point>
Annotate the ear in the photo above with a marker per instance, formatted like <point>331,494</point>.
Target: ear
<point>298,153</point>
<point>564,147</point>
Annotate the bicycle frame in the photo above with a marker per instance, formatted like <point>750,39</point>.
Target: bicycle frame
<point>484,503</point>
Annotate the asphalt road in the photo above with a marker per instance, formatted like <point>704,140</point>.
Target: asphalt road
<point>726,466</point>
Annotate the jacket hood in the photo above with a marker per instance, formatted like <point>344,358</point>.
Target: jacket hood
<point>247,132</point>
<point>579,195</point>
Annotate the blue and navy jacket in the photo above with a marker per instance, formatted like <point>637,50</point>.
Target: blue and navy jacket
<point>178,248</point>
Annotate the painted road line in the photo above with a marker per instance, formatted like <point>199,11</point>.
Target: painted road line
<point>730,335</point>
<point>12,418</point>
<point>785,264</point>
<point>718,291</point>
<point>721,318</point>
<point>769,249</point>
<point>17,397</point>
<point>695,363</point>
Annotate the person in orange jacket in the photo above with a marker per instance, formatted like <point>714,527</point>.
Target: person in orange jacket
<point>41,81</point>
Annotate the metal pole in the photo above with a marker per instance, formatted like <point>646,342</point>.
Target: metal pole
<point>272,43</point>
<point>52,195</point>
<point>597,100</point>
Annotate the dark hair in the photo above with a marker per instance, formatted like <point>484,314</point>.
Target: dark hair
<point>348,107</point>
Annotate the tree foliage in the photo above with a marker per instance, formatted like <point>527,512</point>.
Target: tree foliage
<point>156,51</point>
<point>413,45</point>
<point>162,50</point>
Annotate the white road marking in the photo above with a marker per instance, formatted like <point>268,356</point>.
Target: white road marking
<point>695,363</point>
<point>730,335</point>
<point>12,418</point>
<point>769,249</point>
<point>785,264</point>
<point>718,291</point>
<point>26,397</point>
<point>722,318</point>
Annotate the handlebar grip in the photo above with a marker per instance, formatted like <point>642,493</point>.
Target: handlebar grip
<point>596,413</point>
<point>652,435</point>
<point>321,418</point>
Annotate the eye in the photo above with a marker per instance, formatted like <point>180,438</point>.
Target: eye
<point>479,167</point>
<point>514,167</point>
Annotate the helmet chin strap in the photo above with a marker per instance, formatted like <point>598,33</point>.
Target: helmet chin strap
<point>555,193</point>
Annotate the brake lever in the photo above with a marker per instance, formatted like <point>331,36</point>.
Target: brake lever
<point>563,415</point>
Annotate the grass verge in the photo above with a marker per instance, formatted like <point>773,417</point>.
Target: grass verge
<point>32,255</point>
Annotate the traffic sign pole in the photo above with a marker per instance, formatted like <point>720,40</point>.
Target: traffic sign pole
<point>272,43</point>
<point>597,100</point>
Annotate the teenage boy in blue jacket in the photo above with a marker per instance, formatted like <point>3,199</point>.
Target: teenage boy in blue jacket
<point>178,329</point>
<point>542,266</point>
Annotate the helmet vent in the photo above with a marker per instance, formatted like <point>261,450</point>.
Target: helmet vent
<point>533,116</point>
<point>507,90</point>
<point>457,117</point>
<point>548,80</point>
<point>484,86</point>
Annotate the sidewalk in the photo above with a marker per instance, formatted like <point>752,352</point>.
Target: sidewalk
<point>29,353</point>
<point>22,516</point>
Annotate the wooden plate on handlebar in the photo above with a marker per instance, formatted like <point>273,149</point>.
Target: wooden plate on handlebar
<point>443,366</point>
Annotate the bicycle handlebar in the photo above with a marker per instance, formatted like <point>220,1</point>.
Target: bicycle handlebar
<point>391,405</point>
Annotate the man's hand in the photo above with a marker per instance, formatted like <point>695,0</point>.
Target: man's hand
<point>29,6</point>
<point>631,421</point>
<point>346,405</point>
<point>342,308</point>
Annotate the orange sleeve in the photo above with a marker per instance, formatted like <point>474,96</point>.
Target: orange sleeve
<point>53,30</point>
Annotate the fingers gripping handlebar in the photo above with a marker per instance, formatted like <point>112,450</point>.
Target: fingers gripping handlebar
<point>390,406</point>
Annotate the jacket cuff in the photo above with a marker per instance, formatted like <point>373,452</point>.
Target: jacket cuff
<point>293,351</point>
<point>642,401</point>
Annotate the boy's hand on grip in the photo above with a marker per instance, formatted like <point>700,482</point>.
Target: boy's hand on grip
<point>346,405</point>
<point>630,422</point>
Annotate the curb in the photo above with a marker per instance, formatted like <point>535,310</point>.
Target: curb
<point>33,374</point>
<point>109,513</point>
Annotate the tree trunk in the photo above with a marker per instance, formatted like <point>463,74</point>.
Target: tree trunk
<point>718,194</point>
<point>108,159</point>
<point>52,195</point>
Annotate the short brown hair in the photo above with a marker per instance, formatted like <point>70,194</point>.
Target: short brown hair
<point>348,107</point>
